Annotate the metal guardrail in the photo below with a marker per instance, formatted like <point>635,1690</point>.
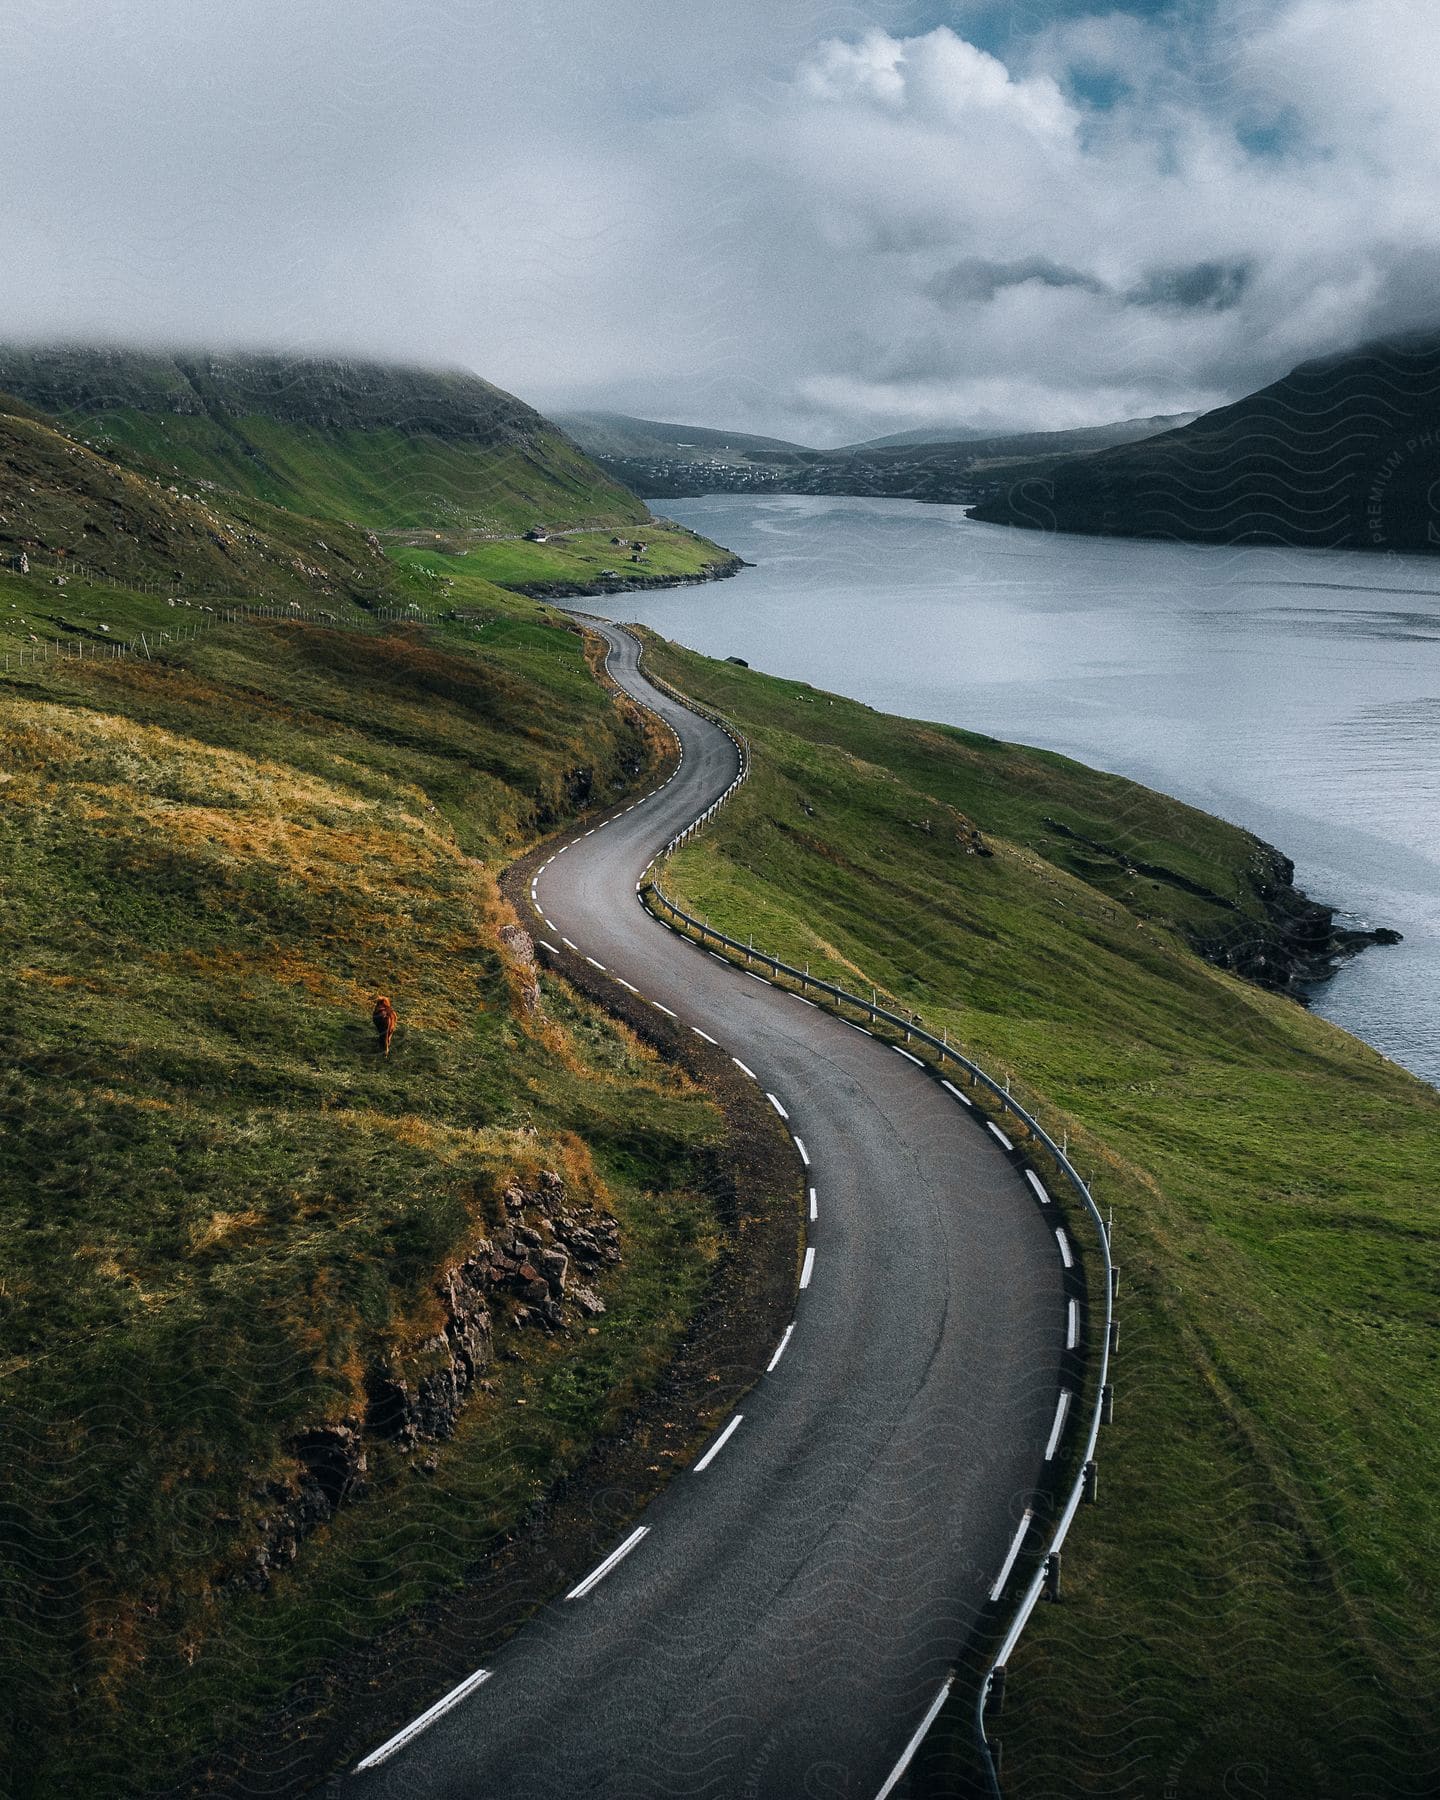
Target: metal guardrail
<point>1048,1567</point>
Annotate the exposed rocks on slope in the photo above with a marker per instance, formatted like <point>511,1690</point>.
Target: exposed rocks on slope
<point>534,1272</point>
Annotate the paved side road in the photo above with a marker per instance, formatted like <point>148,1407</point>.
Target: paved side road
<point>776,1624</point>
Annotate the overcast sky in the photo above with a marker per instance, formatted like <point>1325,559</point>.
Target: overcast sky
<point>819,221</point>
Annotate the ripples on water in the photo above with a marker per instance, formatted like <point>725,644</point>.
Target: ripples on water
<point>1294,692</point>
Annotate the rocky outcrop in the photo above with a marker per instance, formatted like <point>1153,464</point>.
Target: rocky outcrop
<point>332,1468</point>
<point>534,1272</point>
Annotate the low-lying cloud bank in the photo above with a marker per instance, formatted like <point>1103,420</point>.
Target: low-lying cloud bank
<point>816,224</point>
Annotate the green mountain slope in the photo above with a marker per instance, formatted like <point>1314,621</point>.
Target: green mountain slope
<point>1252,1592</point>
<point>376,443</point>
<point>1342,452</point>
<point>70,512</point>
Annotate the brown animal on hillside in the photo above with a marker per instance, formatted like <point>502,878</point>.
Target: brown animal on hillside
<point>383,1019</point>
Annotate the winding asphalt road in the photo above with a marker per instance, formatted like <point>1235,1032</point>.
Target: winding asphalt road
<point>785,1614</point>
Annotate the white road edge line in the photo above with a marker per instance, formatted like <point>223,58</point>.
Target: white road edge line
<point>596,965</point>
<point>416,1726</point>
<point>703,1034</point>
<point>599,1573</point>
<point>814,1207</point>
<point>808,1268</point>
<point>719,1444</point>
<point>931,1714</point>
<point>661,1007</point>
<point>770,1369</point>
<point>743,1070</point>
<point>1062,1406</point>
<point>754,977</point>
<point>1009,1562</point>
<point>550,947</point>
<point>1038,1186</point>
<point>800,1146</point>
<point>776,1104</point>
<point>803,1001</point>
<point>630,986</point>
<point>964,1099</point>
<point>1000,1134</point>
<point>550,925</point>
<point>1072,1325</point>
<point>1064,1243</point>
<point>906,1054</point>
<point>568,945</point>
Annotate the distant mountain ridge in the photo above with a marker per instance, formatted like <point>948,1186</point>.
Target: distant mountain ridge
<point>1013,443</point>
<point>387,445</point>
<point>617,434</point>
<point>959,470</point>
<point>1343,452</point>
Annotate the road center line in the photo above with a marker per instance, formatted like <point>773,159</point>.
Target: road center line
<point>1009,1562</point>
<point>1062,1406</point>
<point>416,1726</point>
<point>598,1574</point>
<point>719,1444</point>
<point>932,1712</point>
<point>770,1368</point>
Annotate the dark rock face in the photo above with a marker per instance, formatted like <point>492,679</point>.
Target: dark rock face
<point>526,1277</point>
<point>332,1470</point>
<point>417,1396</point>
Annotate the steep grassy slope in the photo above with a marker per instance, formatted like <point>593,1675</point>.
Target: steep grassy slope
<point>375,443</point>
<point>221,1212</point>
<point>1247,1609</point>
<point>65,507</point>
<point>1343,451</point>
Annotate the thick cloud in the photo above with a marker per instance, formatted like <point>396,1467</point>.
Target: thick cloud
<point>817,222</point>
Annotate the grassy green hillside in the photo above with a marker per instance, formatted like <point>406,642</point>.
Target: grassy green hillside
<point>1249,1602</point>
<point>380,444</point>
<point>221,1211</point>
<point>66,508</point>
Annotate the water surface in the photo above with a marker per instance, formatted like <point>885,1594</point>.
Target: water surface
<point>1293,692</point>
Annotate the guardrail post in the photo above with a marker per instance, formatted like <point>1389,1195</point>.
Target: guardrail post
<point>1092,1482</point>
<point>1107,1402</point>
<point>1114,1336</point>
<point>1114,1281</point>
<point>995,1695</point>
<point>1052,1576</point>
